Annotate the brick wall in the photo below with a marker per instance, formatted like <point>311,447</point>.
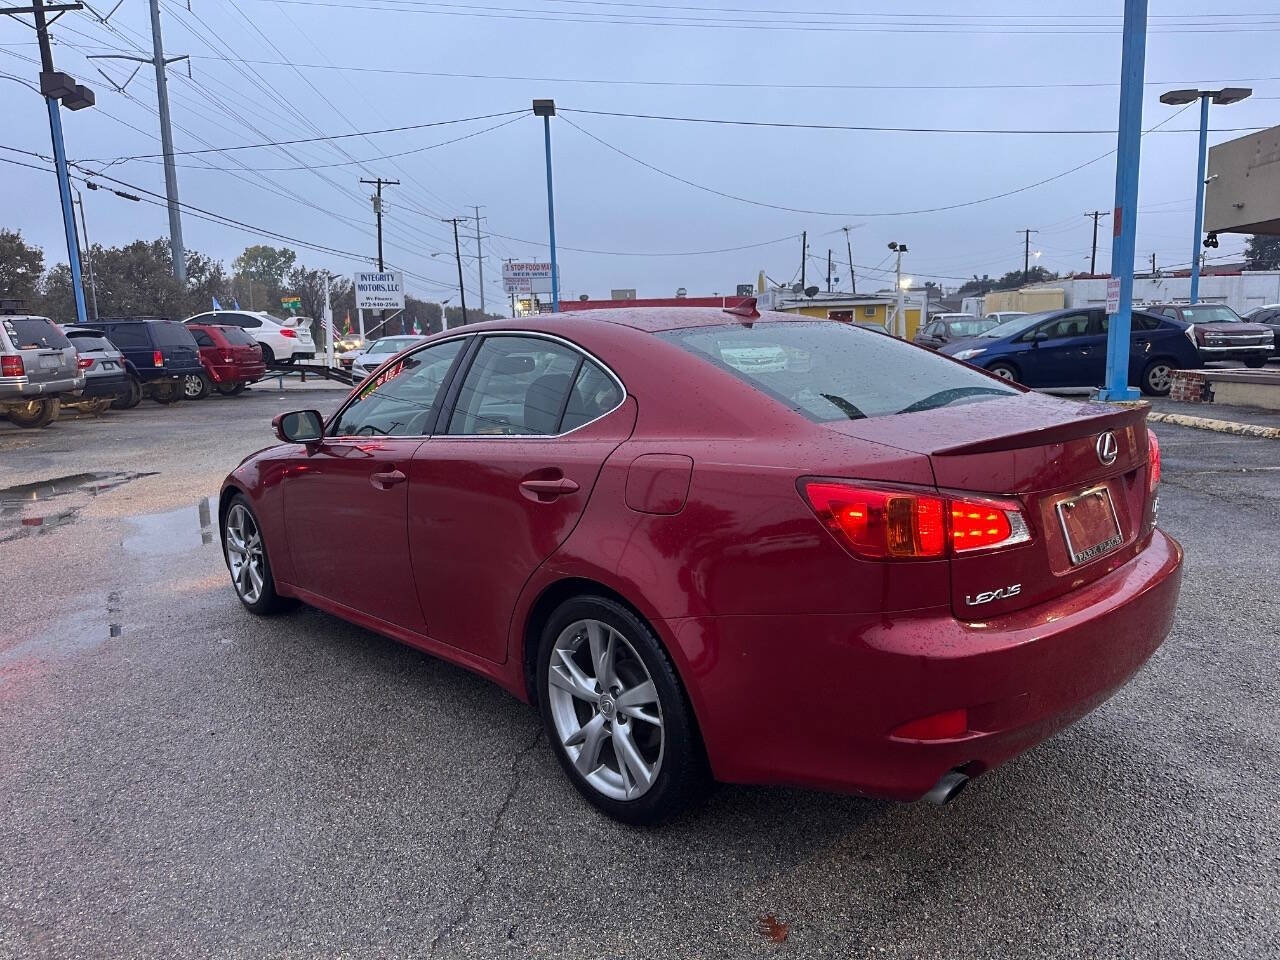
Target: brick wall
<point>1190,386</point>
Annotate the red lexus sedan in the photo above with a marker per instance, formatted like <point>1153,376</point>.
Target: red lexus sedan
<point>756,548</point>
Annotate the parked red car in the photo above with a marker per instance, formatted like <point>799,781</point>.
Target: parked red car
<point>755,547</point>
<point>232,360</point>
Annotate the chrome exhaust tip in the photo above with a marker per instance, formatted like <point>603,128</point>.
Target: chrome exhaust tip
<point>947,788</point>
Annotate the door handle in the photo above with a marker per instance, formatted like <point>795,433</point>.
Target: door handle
<point>387,479</point>
<point>548,489</point>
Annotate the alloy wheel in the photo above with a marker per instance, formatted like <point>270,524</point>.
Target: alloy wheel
<point>605,709</point>
<point>244,553</point>
<point>1160,378</point>
<point>192,386</point>
<point>1004,373</point>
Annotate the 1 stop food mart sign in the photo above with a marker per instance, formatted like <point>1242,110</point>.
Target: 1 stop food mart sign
<point>380,290</point>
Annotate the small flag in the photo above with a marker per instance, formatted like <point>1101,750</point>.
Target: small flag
<point>346,324</point>
<point>236,302</point>
<point>216,304</point>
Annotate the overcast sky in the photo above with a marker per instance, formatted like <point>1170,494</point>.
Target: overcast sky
<point>364,65</point>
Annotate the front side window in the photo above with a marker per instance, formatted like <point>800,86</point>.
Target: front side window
<point>830,371</point>
<point>1072,325</point>
<point>523,386</point>
<point>400,400</point>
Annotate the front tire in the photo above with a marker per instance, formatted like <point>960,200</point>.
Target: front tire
<point>1157,379</point>
<point>245,552</point>
<point>1253,363</point>
<point>1005,371</point>
<point>616,713</point>
<point>35,414</point>
<point>195,386</point>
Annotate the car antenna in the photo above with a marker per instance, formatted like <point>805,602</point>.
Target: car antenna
<point>746,309</point>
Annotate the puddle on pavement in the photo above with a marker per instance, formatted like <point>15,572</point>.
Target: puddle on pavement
<point>173,531</point>
<point>17,519</point>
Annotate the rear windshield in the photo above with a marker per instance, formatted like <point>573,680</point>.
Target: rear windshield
<point>1210,313</point>
<point>34,333</point>
<point>170,333</point>
<point>85,344</point>
<point>236,337</point>
<point>834,371</point>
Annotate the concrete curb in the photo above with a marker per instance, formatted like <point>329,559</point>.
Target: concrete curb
<point>1218,426</point>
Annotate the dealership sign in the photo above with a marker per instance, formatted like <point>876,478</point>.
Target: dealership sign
<point>520,277</point>
<point>377,290</point>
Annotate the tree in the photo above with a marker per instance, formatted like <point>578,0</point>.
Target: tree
<point>1262,252</point>
<point>260,275</point>
<point>21,265</point>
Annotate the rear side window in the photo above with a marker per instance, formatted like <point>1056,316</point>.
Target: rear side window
<point>831,371</point>
<point>129,336</point>
<point>202,338</point>
<point>169,333</point>
<point>516,386</point>
<point>34,333</point>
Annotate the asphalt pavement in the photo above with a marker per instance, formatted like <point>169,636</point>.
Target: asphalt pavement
<point>179,778</point>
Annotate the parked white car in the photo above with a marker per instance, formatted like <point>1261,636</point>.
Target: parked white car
<point>282,341</point>
<point>378,351</point>
<point>1001,316</point>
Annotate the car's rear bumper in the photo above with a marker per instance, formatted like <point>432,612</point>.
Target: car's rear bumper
<point>21,388</point>
<point>236,372</point>
<point>812,699</point>
<point>107,385</point>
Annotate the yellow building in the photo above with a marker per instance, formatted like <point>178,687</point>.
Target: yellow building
<point>870,311</point>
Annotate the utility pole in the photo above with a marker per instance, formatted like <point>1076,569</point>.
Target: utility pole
<point>853,285</point>
<point>804,257</point>
<point>377,212</point>
<point>157,59</point>
<point>55,88</point>
<point>828,270</point>
<point>1093,257</point>
<point>479,261</point>
<point>87,253</point>
<point>457,255</point>
<point>1153,266</point>
<point>1026,253</point>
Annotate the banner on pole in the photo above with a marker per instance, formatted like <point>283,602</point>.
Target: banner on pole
<point>380,290</point>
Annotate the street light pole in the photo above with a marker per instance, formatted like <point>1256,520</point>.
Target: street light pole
<point>900,319</point>
<point>1223,97</point>
<point>546,109</point>
<point>88,253</point>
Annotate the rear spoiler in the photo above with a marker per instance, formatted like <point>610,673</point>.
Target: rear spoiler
<point>1092,419</point>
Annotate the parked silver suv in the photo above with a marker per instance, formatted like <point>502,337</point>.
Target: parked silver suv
<point>38,366</point>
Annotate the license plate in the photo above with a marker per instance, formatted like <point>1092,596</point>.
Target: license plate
<point>50,363</point>
<point>108,364</point>
<point>1090,525</point>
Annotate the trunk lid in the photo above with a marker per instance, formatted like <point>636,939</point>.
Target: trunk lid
<point>1077,492</point>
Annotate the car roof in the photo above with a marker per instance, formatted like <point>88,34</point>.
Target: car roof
<point>128,320</point>
<point>645,319</point>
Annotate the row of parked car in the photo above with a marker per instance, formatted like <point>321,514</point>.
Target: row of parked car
<point>116,362</point>
<point>1064,349</point>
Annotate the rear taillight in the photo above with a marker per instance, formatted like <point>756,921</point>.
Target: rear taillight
<point>84,363</point>
<point>891,524</point>
<point>286,332</point>
<point>157,358</point>
<point>11,367</point>
<point>1153,460</point>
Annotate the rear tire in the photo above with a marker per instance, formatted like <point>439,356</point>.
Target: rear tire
<point>132,398</point>
<point>616,713</point>
<point>167,393</point>
<point>231,389</point>
<point>245,551</point>
<point>268,355</point>
<point>36,413</point>
<point>195,386</point>
<point>1005,371</point>
<point>1157,378</point>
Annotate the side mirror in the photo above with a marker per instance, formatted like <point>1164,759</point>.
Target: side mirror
<point>1038,337</point>
<point>301,426</point>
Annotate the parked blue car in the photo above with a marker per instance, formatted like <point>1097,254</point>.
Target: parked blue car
<point>1068,348</point>
<point>158,353</point>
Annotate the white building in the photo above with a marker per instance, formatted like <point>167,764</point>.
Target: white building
<point>1240,291</point>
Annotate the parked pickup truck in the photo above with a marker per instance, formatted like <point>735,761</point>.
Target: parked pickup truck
<point>38,367</point>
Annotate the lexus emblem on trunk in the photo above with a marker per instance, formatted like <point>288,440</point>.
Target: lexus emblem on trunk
<point>1108,447</point>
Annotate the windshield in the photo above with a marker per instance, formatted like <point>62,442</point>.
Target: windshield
<point>969,328</point>
<point>1011,328</point>
<point>835,371</point>
<point>1210,313</point>
<point>389,345</point>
